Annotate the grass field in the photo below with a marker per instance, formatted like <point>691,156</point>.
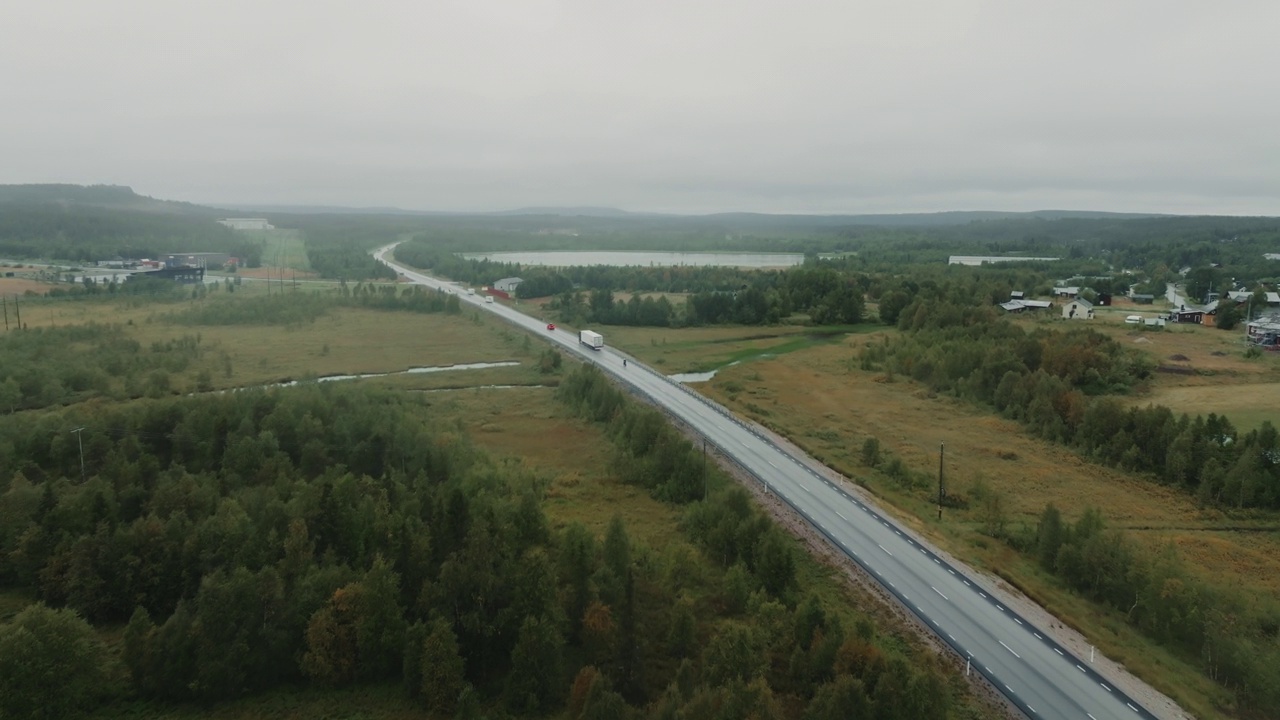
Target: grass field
<point>282,248</point>
<point>709,348</point>
<point>1246,404</point>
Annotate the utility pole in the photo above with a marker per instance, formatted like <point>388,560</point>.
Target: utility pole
<point>705,484</point>
<point>942,448</point>
<point>17,309</point>
<point>80,442</point>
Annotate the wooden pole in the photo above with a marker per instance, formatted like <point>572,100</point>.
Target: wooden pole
<point>942,449</point>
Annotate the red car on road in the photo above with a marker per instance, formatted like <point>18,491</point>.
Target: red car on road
<point>551,326</point>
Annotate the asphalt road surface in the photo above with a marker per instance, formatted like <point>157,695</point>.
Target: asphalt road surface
<point>1036,674</point>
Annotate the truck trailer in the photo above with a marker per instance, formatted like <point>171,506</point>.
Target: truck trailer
<point>593,340</point>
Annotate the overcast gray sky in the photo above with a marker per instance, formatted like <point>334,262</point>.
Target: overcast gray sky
<point>682,105</point>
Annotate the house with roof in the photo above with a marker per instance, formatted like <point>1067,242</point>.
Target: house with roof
<point>1078,309</point>
<point>1184,314</point>
<point>1018,306</point>
<point>1066,291</point>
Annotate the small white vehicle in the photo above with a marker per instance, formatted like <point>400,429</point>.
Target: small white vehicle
<point>1134,319</point>
<point>488,298</point>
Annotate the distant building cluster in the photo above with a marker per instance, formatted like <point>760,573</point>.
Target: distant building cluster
<point>247,223</point>
<point>199,259</point>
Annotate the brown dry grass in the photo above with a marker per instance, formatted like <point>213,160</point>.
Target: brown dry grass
<point>21,286</point>
<point>527,426</point>
<point>1247,405</point>
<point>690,349</point>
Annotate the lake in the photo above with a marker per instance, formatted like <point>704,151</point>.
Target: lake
<point>569,258</point>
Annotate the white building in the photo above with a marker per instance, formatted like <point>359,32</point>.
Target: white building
<point>1078,309</point>
<point>247,224</point>
<point>508,285</point>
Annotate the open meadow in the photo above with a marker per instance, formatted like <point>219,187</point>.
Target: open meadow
<point>1201,369</point>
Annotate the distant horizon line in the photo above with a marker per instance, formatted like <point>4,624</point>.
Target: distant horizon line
<point>586,209</point>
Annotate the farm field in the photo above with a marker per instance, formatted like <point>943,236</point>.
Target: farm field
<point>815,398</point>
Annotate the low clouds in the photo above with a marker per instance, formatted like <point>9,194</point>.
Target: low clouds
<point>690,106</point>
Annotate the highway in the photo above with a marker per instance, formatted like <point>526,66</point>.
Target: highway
<point>1038,676</point>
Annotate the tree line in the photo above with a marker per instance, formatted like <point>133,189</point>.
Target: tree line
<point>1230,639</point>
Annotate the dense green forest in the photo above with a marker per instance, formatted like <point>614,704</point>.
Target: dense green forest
<point>332,535</point>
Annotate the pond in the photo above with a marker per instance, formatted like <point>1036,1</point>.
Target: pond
<point>568,258</point>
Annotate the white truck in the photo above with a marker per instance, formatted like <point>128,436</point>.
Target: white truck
<point>593,340</point>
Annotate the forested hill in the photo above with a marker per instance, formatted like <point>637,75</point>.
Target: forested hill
<point>86,223</point>
<point>118,197</point>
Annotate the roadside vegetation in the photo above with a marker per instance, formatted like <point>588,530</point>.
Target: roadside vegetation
<point>1148,541</point>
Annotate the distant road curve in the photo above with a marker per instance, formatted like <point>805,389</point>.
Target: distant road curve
<point>1038,676</point>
